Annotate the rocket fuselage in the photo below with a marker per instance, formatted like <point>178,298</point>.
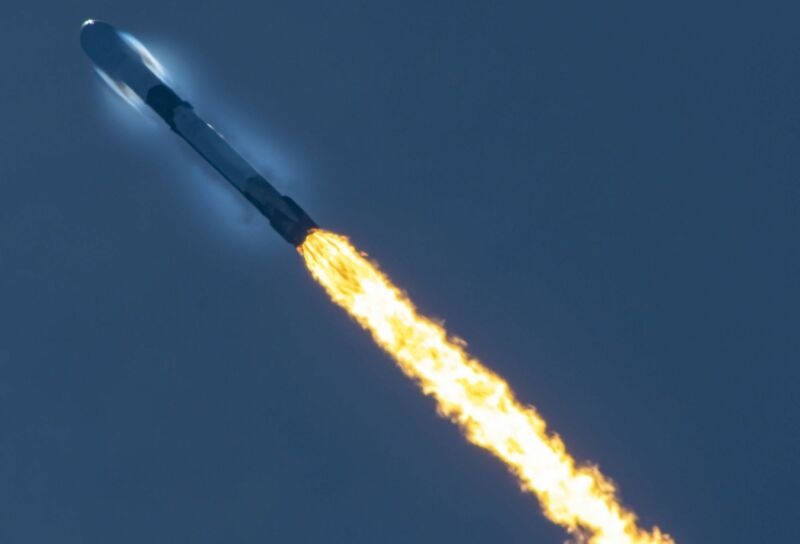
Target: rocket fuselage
<point>126,67</point>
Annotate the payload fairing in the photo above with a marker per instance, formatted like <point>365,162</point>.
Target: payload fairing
<point>125,66</point>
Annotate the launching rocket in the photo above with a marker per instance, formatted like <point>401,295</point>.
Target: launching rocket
<point>125,66</point>
<point>577,497</point>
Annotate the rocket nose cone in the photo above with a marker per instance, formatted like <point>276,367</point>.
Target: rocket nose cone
<point>94,33</point>
<point>99,41</point>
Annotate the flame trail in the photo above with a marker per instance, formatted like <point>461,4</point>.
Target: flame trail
<point>579,498</point>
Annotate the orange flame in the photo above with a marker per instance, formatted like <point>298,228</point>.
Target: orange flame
<point>579,498</point>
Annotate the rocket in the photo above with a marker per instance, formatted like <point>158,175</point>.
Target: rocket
<point>120,62</point>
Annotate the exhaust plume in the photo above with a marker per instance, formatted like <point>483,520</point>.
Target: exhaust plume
<point>576,497</point>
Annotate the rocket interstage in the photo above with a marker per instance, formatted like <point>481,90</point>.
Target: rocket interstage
<point>576,497</point>
<point>131,72</point>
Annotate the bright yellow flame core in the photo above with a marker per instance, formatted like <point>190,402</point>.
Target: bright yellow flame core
<point>578,498</point>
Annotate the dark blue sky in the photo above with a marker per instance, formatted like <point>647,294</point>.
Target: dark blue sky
<point>601,197</point>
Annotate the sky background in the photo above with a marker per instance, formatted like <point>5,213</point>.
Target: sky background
<point>600,197</point>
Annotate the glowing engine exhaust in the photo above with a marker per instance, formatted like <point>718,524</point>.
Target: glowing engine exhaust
<point>579,498</point>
